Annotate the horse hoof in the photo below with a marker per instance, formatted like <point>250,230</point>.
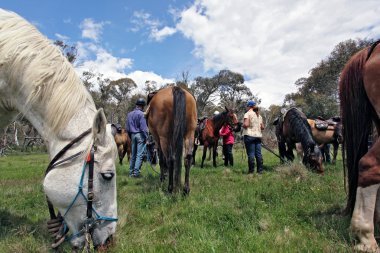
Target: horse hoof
<point>366,248</point>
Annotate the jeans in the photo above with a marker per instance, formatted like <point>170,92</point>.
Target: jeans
<point>253,147</point>
<point>138,146</point>
<point>227,152</point>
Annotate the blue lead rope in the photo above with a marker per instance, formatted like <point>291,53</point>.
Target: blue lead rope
<point>80,192</point>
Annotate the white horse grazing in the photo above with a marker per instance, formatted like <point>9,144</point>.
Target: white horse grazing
<point>37,81</point>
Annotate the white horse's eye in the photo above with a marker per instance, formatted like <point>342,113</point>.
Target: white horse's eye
<point>108,175</point>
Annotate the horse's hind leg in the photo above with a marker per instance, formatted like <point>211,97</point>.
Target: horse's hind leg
<point>189,146</point>
<point>121,154</point>
<point>163,165</point>
<point>170,165</point>
<point>362,223</point>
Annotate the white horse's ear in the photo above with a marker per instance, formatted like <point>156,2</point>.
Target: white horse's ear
<point>99,126</point>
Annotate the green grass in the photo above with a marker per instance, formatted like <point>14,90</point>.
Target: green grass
<point>287,209</point>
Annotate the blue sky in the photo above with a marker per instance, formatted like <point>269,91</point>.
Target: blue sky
<point>272,43</point>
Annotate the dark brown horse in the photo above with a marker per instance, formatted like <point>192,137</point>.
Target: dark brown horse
<point>330,132</point>
<point>291,128</point>
<point>172,118</point>
<point>209,135</point>
<point>359,91</point>
<point>123,142</point>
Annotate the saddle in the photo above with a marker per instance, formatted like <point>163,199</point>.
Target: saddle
<point>322,124</point>
<point>199,129</point>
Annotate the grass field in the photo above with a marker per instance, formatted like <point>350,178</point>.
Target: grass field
<point>287,209</point>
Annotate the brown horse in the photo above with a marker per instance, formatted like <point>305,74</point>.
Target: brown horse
<point>359,91</point>
<point>329,133</point>
<point>172,118</point>
<point>123,142</point>
<point>292,127</point>
<point>209,135</point>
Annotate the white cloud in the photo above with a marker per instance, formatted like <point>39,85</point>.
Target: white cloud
<point>143,21</point>
<point>91,29</point>
<point>159,35</point>
<point>140,77</point>
<point>94,58</point>
<point>273,43</point>
<point>62,37</point>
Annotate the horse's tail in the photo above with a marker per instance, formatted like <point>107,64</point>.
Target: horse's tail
<point>356,119</point>
<point>179,128</point>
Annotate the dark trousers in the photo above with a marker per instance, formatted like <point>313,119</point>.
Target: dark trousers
<point>227,152</point>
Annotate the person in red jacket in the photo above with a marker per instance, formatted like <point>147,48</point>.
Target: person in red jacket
<point>228,142</point>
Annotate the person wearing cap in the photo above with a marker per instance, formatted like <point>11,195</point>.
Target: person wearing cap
<point>252,127</point>
<point>138,132</point>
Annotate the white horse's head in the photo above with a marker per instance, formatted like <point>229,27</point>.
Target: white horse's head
<point>62,188</point>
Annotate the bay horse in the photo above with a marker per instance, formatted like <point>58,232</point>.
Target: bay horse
<point>38,81</point>
<point>209,136</point>
<point>172,118</point>
<point>359,92</point>
<point>329,133</point>
<point>123,142</point>
<point>292,127</point>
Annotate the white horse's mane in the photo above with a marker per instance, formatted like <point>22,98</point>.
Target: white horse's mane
<point>32,64</point>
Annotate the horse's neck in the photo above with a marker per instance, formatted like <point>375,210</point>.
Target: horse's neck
<point>55,141</point>
<point>217,124</point>
<point>307,139</point>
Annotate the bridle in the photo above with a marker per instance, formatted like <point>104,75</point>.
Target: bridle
<point>58,226</point>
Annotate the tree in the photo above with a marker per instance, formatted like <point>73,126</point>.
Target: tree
<point>317,94</point>
<point>120,92</point>
<point>204,90</point>
<point>70,52</point>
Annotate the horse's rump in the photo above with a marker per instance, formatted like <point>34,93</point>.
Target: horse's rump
<point>172,120</point>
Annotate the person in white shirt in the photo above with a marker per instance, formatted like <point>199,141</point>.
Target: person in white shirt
<point>252,127</point>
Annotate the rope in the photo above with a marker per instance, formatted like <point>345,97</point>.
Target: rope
<point>149,159</point>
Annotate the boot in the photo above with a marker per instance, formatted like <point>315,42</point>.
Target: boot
<point>259,165</point>
<point>251,165</point>
<point>231,160</point>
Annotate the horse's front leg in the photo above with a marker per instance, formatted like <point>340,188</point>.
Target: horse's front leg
<point>205,146</point>
<point>363,216</point>
<point>362,222</point>
<point>189,146</point>
<point>289,151</point>
<point>214,148</point>
<point>194,153</point>
<point>336,148</point>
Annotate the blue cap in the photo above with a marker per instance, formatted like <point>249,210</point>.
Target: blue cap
<point>251,103</point>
